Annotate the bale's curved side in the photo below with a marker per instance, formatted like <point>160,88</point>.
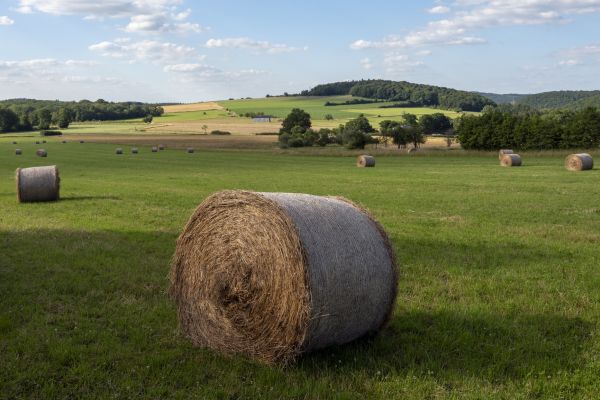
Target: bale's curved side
<point>579,162</point>
<point>511,160</point>
<point>365,161</point>
<point>271,275</point>
<point>502,152</point>
<point>37,184</point>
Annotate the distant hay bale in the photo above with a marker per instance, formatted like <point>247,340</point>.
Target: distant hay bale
<point>82,141</point>
<point>43,141</point>
<point>273,275</point>
<point>18,152</point>
<point>37,184</point>
<point>154,149</point>
<point>365,161</point>
<point>503,152</point>
<point>41,153</point>
<point>511,160</point>
<point>14,142</point>
<point>134,150</point>
<point>37,142</point>
<point>64,141</point>
<point>190,150</point>
<point>161,147</point>
<point>579,162</point>
<point>119,150</point>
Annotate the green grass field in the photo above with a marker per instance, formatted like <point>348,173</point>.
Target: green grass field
<point>499,296</point>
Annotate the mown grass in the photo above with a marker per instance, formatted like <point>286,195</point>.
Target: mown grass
<point>499,294</point>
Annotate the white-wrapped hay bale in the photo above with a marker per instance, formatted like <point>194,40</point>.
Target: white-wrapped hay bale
<point>511,160</point>
<point>134,150</point>
<point>273,275</point>
<point>18,152</point>
<point>38,184</point>
<point>579,162</point>
<point>502,152</point>
<point>365,161</point>
<point>154,149</point>
<point>119,151</point>
<point>190,150</point>
<point>41,153</point>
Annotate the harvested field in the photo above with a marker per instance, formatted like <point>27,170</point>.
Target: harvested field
<point>205,106</point>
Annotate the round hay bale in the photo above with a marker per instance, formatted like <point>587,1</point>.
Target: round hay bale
<point>41,153</point>
<point>161,146</point>
<point>154,149</point>
<point>134,150</point>
<point>579,162</point>
<point>14,142</point>
<point>43,141</point>
<point>190,150</point>
<point>273,275</point>
<point>503,152</point>
<point>365,161</point>
<point>18,152</point>
<point>64,141</point>
<point>82,141</point>
<point>37,142</point>
<point>38,184</point>
<point>119,150</point>
<point>511,160</point>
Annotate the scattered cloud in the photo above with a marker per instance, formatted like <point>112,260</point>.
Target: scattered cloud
<point>4,20</point>
<point>400,63</point>
<point>145,50</point>
<point>195,72</point>
<point>439,10</point>
<point>250,44</point>
<point>366,63</point>
<point>145,16</point>
<point>589,54</point>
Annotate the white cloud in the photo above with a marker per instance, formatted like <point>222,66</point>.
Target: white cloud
<point>366,63</point>
<point>480,14</point>
<point>589,54</point>
<point>439,10</point>
<point>250,44</point>
<point>569,63</point>
<point>146,16</point>
<point>196,72</point>
<point>4,20</point>
<point>399,63</point>
<point>145,50</point>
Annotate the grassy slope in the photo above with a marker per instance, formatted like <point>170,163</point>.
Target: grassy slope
<point>498,296</point>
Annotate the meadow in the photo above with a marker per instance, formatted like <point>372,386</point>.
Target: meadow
<point>498,295</point>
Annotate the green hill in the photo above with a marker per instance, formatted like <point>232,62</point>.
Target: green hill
<point>558,99</point>
<point>503,98</point>
<point>592,101</point>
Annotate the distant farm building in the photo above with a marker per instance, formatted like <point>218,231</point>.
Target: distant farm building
<point>262,118</point>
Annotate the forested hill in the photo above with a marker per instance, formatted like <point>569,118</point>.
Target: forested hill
<point>559,99</point>
<point>404,93</point>
<point>503,98</point>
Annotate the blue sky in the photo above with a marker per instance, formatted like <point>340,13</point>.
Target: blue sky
<point>182,50</point>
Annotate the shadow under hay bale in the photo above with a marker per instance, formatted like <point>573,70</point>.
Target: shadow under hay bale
<point>190,150</point>
<point>579,162</point>
<point>41,153</point>
<point>502,152</point>
<point>273,275</point>
<point>18,152</point>
<point>365,161</point>
<point>119,151</point>
<point>134,150</point>
<point>511,160</point>
<point>37,184</point>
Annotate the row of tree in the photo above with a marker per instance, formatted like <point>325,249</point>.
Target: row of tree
<point>26,114</point>
<point>521,128</point>
<point>296,131</point>
<point>417,94</point>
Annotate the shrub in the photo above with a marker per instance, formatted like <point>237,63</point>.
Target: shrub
<point>50,133</point>
<point>218,132</point>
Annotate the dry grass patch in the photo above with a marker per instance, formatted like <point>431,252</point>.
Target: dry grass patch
<point>205,106</point>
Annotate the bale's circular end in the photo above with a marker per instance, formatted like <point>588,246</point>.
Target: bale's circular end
<point>511,160</point>
<point>579,162</point>
<point>37,184</point>
<point>502,152</point>
<point>41,153</point>
<point>365,161</point>
<point>271,275</point>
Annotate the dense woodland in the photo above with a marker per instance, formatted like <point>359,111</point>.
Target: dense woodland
<point>416,94</point>
<point>26,114</point>
<point>522,127</point>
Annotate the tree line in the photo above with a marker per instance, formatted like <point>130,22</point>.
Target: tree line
<point>26,114</point>
<point>401,92</point>
<point>524,128</point>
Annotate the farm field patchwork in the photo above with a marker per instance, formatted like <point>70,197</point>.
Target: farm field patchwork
<point>498,295</point>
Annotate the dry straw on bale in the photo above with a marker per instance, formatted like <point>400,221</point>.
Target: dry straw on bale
<point>365,161</point>
<point>501,153</point>
<point>134,150</point>
<point>41,153</point>
<point>190,150</point>
<point>273,275</point>
<point>119,150</point>
<point>154,149</point>
<point>579,162</point>
<point>511,160</point>
<point>18,152</point>
<point>37,184</point>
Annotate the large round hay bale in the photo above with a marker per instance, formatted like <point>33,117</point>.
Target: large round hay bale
<point>119,150</point>
<point>38,184</point>
<point>41,153</point>
<point>273,275</point>
<point>190,150</point>
<point>161,146</point>
<point>511,160</point>
<point>154,149</point>
<point>134,150</point>
<point>18,152</point>
<point>14,142</point>
<point>365,161</point>
<point>579,162</point>
<point>503,152</point>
